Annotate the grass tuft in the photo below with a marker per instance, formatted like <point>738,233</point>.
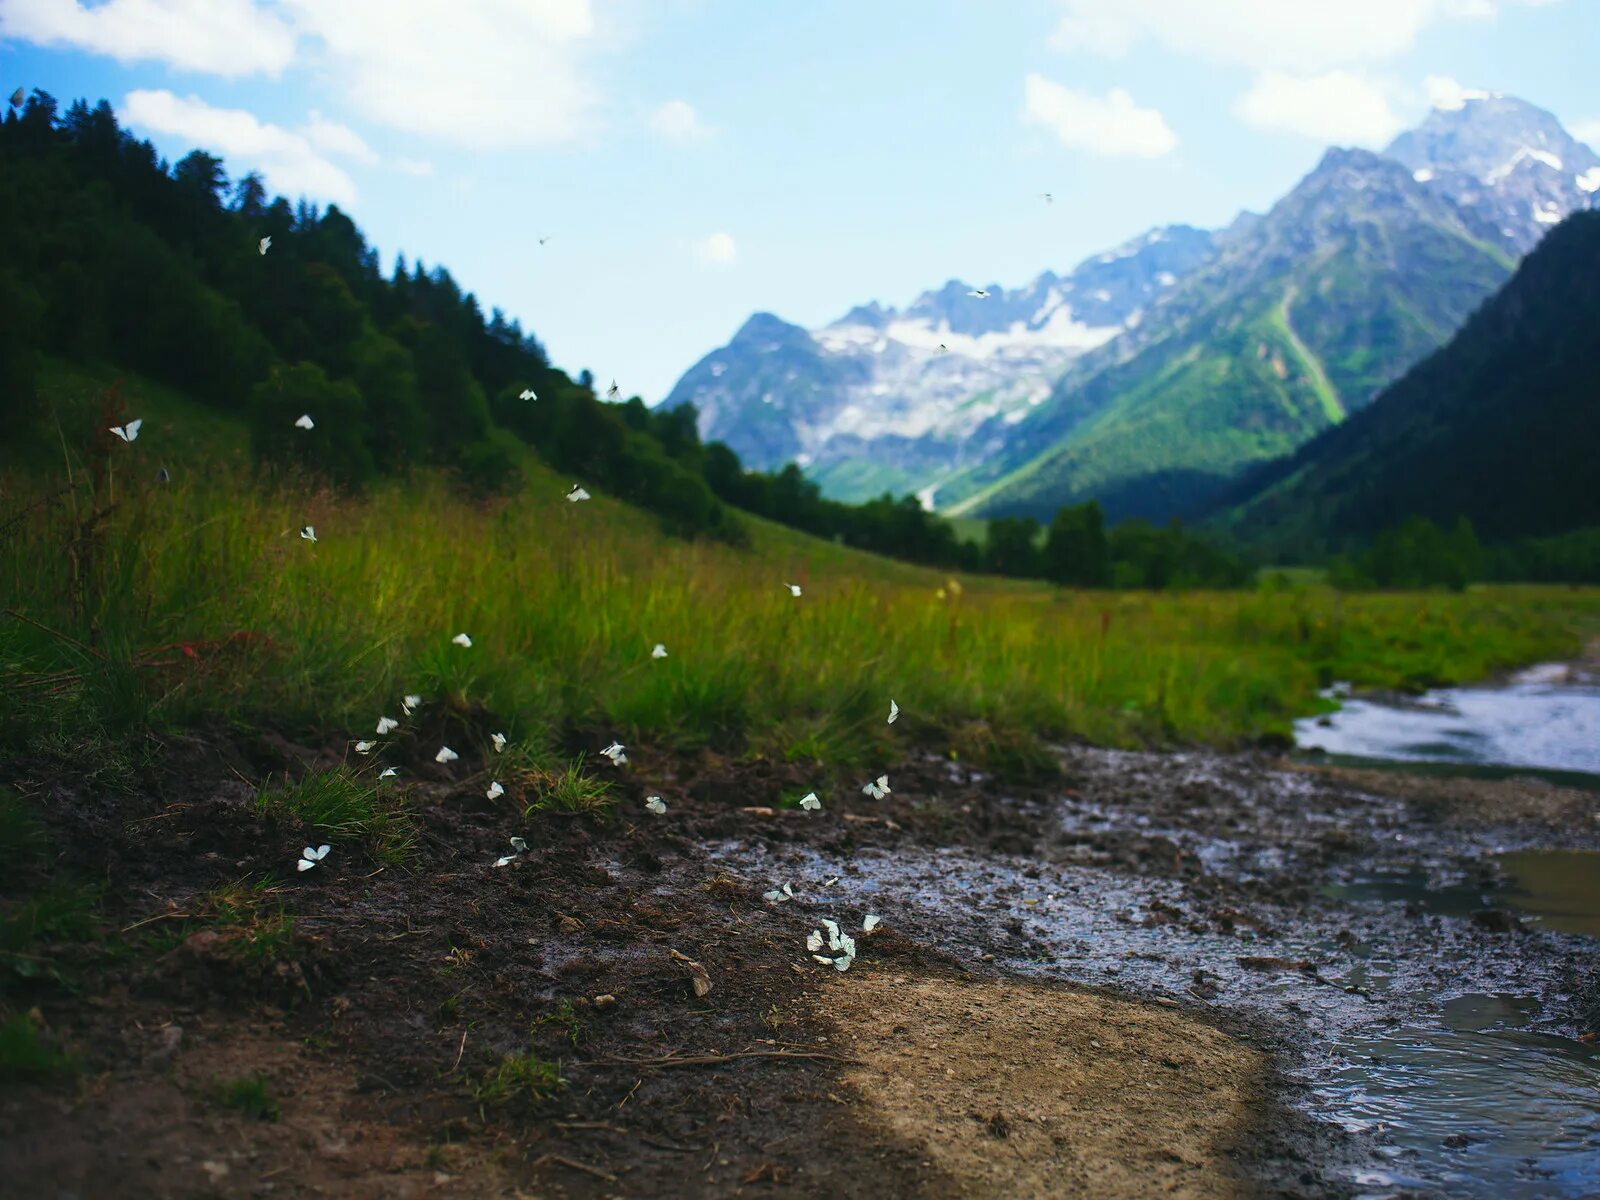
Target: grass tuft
<point>249,1094</point>
<point>24,1055</point>
<point>523,1078</point>
<point>572,790</point>
<point>339,804</point>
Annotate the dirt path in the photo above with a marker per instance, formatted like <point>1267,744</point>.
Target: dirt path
<point>1031,1091</point>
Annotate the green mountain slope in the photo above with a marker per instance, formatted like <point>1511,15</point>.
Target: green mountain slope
<point>1502,425</point>
<point>1301,317</point>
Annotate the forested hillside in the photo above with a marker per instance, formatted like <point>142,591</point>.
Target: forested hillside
<point>1500,426</point>
<point>114,257</point>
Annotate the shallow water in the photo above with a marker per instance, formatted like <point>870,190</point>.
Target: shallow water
<point>1545,717</point>
<point>1492,1109</point>
<point>1554,889</point>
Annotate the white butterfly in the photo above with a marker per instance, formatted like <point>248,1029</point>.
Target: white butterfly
<point>462,640</point>
<point>264,244</point>
<point>779,895</point>
<point>304,421</point>
<point>613,392</point>
<point>615,754</point>
<point>980,293</point>
<point>518,844</point>
<point>445,755</point>
<point>577,493</point>
<point>365,747</point>
<point>407,703</point>
<point>503,859</point>
<point>655,804</point>
<point>841,943</point>
<point>527,394</point>
<point>385,724</point>
<point>129,431</point>
<point>499,740</point>
<point>495,790</point>
<point>660,651</point>
<point>311,857</point>
<point>388,773</point>
<point>830,881</point>
<point>309,533</point>
<point>794,588</point>
<point>879,789</point>
<point>870,923</point>
<point>894,711</point>
<point>809,802</point>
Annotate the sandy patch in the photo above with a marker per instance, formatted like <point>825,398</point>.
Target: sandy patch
<point>1025,1090</point>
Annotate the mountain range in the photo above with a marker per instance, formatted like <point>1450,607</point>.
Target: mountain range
<point>1151,376</point>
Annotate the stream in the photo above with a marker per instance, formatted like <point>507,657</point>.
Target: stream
<point>1425,978</point>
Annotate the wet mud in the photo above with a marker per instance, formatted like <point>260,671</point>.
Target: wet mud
<point>1155,974</point>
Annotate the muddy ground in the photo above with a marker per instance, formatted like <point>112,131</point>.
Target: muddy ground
<point>1131,979</point>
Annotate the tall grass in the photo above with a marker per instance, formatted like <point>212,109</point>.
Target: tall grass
<point>197,600</point>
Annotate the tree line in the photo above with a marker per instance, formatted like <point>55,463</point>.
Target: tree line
<point>114,256</point>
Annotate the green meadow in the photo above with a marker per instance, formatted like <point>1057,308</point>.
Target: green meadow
<point>133,603</point>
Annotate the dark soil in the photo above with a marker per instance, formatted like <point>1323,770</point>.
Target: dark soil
<point>404,986</point>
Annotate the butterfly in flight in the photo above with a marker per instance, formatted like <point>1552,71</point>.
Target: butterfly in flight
<point>445,755</point>
<point>656,804</point>
<point>577,493</point>
<point>877,789</point>
<point>809,802</point>
<point>264,244</point>
<point>305,422</point>
<point>129,431</point>
<point>463,641</point>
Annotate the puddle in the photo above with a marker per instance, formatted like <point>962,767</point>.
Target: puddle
<point>1556,889</point>
<point>1547,717</point>
<point>1561,888</point>
<point>1483,1110</point>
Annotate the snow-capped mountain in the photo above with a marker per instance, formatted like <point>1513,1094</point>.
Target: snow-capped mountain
<point>886,399</point>
<point>1507,164</point>
<point>1150,375</point>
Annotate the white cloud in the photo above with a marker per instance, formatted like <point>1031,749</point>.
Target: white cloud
<point>333,138</point>
<point>1334,107</point>
<point>287,160</point>
<point>717,250</point>
<point>221,37</point>
<point>479,73</point>
<point>677,121</point>
<point>1304,36</point>
<point>1444,92</point>
<point>486,74</point>
<point>1109,124</point>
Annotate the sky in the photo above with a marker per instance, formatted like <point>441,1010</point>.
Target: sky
<point>694,161</point>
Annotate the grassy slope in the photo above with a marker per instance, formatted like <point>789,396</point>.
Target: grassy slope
<point>563,603</point>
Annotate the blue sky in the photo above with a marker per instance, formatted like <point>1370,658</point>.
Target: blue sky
<point>694,161</point>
